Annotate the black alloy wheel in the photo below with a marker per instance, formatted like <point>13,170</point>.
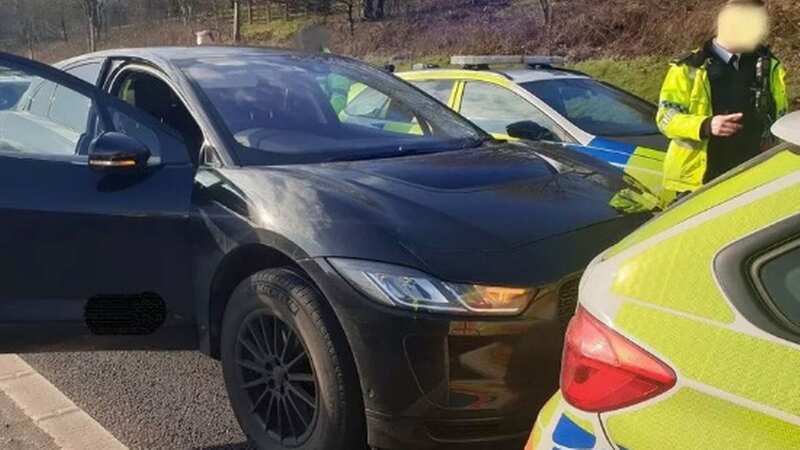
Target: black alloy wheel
<point>277,374</point>
<point>288,369</point>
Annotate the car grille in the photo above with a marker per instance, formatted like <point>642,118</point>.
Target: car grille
<point>568,300</point>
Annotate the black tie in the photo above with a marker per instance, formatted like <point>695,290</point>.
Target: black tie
<point>734,62</point>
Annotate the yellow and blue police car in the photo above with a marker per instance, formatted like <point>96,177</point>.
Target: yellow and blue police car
<point>687,334</point>
<point>563,105</point>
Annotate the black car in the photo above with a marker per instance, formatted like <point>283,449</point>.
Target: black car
<point>400,284</point>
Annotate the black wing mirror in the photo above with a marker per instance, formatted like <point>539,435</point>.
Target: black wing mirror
<point>117,152</point>
<point>531,131</point>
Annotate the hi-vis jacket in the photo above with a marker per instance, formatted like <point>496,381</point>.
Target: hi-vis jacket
<point>684,106</point>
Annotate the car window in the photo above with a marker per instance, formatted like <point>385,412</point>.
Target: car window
<point>494,108</point>
<point>366,102</point>
<point>780,277</point>
<point>438,89</point>
<point>156,98</point>
<point>288,109</point>
<point>70,109</point>
<point>40,97</point>
<point>372,108</point>
<point>88,72</point>
<point>54,122</point>
<point>597,108</point>
<point>68,124</point>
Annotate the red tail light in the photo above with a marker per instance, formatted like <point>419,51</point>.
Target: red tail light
<point>604,371</point>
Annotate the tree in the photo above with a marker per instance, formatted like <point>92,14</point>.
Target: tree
<point>547,11</point>
<point>93,9</point>
<point>186,9</point>
<point>25,13</point>
<point>350,6</point>
<point>374,9</point>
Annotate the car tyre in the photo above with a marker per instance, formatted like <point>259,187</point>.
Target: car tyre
<point>287,367</point>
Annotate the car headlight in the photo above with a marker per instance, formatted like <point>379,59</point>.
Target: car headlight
<point>411,289</point>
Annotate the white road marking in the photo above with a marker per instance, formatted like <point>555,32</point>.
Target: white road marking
<point>69,426</point>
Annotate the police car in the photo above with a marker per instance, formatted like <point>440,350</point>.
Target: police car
<point>544,101</point>
<point>688,331</point>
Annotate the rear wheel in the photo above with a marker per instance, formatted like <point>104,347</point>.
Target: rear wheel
<point>287,368</point>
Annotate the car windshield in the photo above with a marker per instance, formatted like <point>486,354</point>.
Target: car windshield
<point>597,108</point>
<point>288,109</point>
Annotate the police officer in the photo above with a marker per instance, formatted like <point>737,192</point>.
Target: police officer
<point>718,103</point>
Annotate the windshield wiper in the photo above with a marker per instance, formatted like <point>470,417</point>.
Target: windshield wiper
<point>398,152</point>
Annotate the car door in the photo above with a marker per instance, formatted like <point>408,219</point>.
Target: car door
<point>90,258</point>
<point>494,108</point>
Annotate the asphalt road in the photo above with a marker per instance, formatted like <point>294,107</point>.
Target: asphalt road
<point>148,400</point>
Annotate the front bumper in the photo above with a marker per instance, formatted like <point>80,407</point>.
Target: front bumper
<point>438,381</point>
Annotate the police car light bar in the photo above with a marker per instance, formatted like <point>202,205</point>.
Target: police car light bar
<point>424,66</point>
<point>552,61</point>
<point>488,60</point>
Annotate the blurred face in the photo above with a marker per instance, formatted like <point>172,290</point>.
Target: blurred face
<point>741,29</point>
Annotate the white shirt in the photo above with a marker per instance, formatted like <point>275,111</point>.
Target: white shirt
<point>725,55</point>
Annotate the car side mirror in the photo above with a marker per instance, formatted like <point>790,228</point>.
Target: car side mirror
<point>531,131</point>
<point>117,152</point>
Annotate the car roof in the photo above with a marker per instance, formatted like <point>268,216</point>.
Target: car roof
<point>172,54</point>
<point>513,75</point>
<point>542,74</point>
<point>788,128</point>
<point>176,53</point>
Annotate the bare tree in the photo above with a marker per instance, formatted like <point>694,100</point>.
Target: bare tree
<point>547,11</point>
<point>187,9</point>
<point>350,6</point>
<point>374,9</point>
<point>93,9</point>
<point>25,13</point>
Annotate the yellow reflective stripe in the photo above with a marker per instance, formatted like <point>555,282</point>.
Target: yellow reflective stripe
<point>668,115</point>
<point>749,367</point>
<point>781,164</point>
<point>543,422</point>
<point>401,127</point>
<point>504,137</point>
<point>657,156</point>
<point>677,273</point>
<point>549,409</point>
<point>693,420</point>
<point>458,94</point>
<point>459,74</point>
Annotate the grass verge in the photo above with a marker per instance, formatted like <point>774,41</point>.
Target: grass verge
<point>643,76</point>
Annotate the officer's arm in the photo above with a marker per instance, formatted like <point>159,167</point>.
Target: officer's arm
<point>674,119</point>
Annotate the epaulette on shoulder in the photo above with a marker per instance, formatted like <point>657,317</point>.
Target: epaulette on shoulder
<point>696,58</point>
<point>766,51</point>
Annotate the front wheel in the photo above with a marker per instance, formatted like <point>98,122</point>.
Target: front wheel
<point>287,367</point>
